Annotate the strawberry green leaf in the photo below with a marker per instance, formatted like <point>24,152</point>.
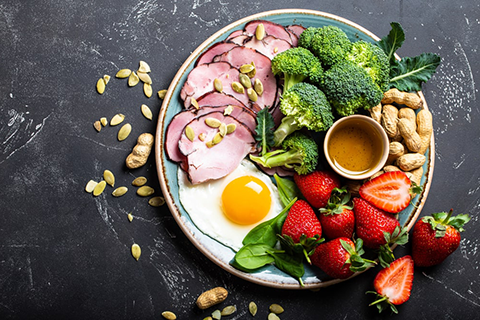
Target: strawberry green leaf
<point>409,73</point>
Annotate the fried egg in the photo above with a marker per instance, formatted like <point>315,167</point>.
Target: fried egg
<point>228,208</point>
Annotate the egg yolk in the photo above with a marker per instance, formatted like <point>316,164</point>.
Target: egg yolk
<point>246,200</point>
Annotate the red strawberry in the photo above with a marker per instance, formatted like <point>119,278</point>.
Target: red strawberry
<point>390,191</point>
<point>393,284</point>
<point>435,237</point>
<point>340,258</point>
<point>372,223</point>
<point>337,218</point>
<point>317,186</point>
<point>301,227</point>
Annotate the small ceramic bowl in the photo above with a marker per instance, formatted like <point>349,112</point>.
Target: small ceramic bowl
<point>356,147</point>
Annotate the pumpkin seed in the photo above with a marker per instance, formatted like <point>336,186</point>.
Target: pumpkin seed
<point>237,87</point>
<point>90,186</point>
<point>275,50</point>
<point>109,177</point>
<point>136,251</point>
<point>228,310</point>
<point>260,32</point>
<point>228,110</point>
<point>245,80</point>
<point>139,181</point>
<point>246,68</point>
<point>209,144</point>
<point>252,95</point>
<point>231,127</point>
<point>169,315</point>
<point>258,86</point>
<point>213,122</point>
<point>106,78</point>
<point>97,125</point>
<point>117,119</point>
<point>162,93</point>
<point>124,131</point>
<point>144,77</point>
<point>147,113</point>
<point>156,201</point>
<point>208,318</point>
<point>101,86</point>
<point>194,103</point>
<point>123,73</point>
<point>103,121</point>
<point>120,191</point>
<point>144,67</point>
<point>273,316</point>
<point>222,129</point>
<point>133,79</point>
<point>147,89</point>
<point>202,136</point>
<point>217,84</point>
<point>145,191</point>
<point>99,188</point>
<point>276,308</point>
<point>189,133</point>
<point>252,73</point>
<point>130,217</point>
<point>217,138</point>
<point>217,314</point>
<point>252,307</point>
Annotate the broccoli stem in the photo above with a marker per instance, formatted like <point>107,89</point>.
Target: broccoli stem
<point>279,158</point>
<point>291,79</point>
<point>285,128</point>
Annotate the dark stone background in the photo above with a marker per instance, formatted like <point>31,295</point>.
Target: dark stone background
<point>65,254</point>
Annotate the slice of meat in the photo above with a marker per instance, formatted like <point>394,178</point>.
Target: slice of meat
<point>269,46</point>
<point>240,39</point>
<point>200,81</point>
<point>241,114</point>
<point>216,98</point>
<point>214,50</point>
<point>296,29</point>
<point>234,34</point>
<point>239,56</point>
<point>206,163</point>
<point>271,28</point>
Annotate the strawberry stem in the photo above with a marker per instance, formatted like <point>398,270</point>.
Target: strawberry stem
<point>447,218</point>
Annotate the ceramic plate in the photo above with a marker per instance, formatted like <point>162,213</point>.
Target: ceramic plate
<point>167,170</point>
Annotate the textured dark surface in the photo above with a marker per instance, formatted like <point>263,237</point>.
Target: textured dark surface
<point>66,255</point>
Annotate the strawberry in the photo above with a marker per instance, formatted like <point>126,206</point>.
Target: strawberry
<point>340,258</point>
<point>393,284</point>
<point>317,186</point>
<point>435,237</point>
<point>337,218</point>
<point>372,223</point>
<point>391,191</point>
<point>301,230</point>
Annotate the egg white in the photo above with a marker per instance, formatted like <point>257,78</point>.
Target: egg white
<point>204,205</point>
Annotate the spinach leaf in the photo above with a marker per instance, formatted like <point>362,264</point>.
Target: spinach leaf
<point>264,130</point>
<point>287,189</point>
<point>290,264</point>
<point>253,256</point>
<point>392,41</point>
<point>410,73</point>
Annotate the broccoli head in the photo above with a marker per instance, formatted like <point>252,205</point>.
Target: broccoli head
<point>306,38</point>
<point>373,59</point>
<point>349,88</point>
<point>296,65</point>
<point>304,105</point>
<point>298,151</point>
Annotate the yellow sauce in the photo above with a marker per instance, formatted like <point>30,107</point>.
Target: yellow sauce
<point>355,147</point>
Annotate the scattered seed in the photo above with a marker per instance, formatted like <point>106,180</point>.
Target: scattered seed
<point>217,314</point>
<point>231,127</point>
<point>237,87</point>
<point>133,79</point>
<point>209,144</point>
<point>144,77</point>
<point>117,119</point>
<point>147,113</point>
<point>169,315</point>
<point>217,84</point>
<point>189,133</point>
<point>208,318</point>
<point>202,136</point>
<point>156,201</point>
<point>273,316</point>
<point>106,78</point>
<point>144,67</point>
<point>139,181</point>
<point>124,132</point>
<point>217,138</point>
<point>120,191</point>
<point>213,122</point>
<point>194,103</point>
<point>252,73</point>
<point>97,125</point>
<point>252,307</point>
<point>147,89</point>
<point>145,191</point>
<point>258,86</point>
<point>101,86</point>
<point>245,80</point>
<point>228,110</point>
<point>276,308</point>
<point>252,94</point>
<point>130,217</point>
<point>109,177</point>
<point>260,32</point>
<point>123,73</point>
<point>136,251</point>
<point>228,310</point>
<point>246,68</point>
<point>162,93</point>
<point>99,188</point>
<point>90,186</point>
<point>275,50</point>
<point>103,121</point>
<point>222,129</point>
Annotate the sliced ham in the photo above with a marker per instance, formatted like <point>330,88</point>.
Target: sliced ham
<point>271,28</point>
<point>242,114</point>
<point>206,163</point>
<point>234,34</point>
<point>216,98</point>
<point>269,46</point>
<point>296,29</point>
<point>214,50</point>
<point>240,39</point>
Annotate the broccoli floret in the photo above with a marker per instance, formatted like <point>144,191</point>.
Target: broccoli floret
<point>296,65</point>
<point>298,151</point>
<point>304,105</point>
<point>329,44</point>
<point>373,59</point>
<point>349,88</point>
